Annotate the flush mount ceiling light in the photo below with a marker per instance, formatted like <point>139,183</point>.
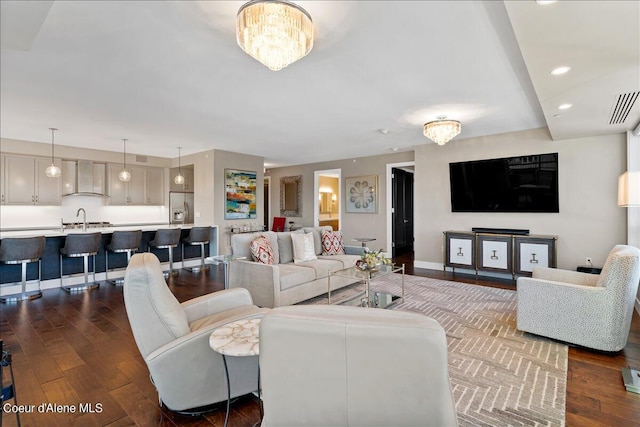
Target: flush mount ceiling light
<point>564,106</point>
<point>52,171</point>
<point>124,175</point>
<point>179,179</point>
<point>275,32</point>
<point>442,131</point>
<point>560,70</point>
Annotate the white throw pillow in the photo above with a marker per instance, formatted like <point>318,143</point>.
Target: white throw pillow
<point>303,247</point>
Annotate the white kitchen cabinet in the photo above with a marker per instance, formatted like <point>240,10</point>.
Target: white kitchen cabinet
<point>25,181</point>
<point>187,173</point>
<point>2,180</point>
<point>155,186</point>
<point>146,186</point>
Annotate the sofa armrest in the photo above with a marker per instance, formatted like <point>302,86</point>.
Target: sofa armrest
<point>261,280</point>
<point>215,302</point>
<point>354,250</point>
<point>565,276</point>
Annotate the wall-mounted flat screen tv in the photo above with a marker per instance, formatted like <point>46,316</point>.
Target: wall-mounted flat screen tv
<point>511,184</point>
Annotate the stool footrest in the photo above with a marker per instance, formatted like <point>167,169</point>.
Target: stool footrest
<point>81,287</point>
<point>22,296</point>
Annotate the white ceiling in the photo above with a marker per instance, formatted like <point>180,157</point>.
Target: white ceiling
<point>166,74</point>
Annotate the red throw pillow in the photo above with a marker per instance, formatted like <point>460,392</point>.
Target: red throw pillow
<point>261,250</point>
<point>332,243</point>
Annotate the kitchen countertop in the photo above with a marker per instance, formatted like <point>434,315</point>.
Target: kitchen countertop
<point>55,231</point>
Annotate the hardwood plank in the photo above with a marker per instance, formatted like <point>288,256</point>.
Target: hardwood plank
<point>80,346</point>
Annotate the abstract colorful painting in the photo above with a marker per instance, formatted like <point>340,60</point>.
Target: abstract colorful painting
<point>240,189</point>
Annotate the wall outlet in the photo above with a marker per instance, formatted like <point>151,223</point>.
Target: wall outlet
<point>588,260</point>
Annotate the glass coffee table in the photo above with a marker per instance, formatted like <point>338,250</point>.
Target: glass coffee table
<point>368,298</point>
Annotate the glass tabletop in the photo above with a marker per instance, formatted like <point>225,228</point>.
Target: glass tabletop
<point>356,273</point>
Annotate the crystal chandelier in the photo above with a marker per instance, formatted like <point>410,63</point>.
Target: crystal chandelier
<point>124,174</point>
<point>52,171</point>
<point>442,131</point>
<point>275,32</point>
<point>179,179</point>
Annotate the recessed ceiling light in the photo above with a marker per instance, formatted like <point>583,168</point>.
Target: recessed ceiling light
<point>543,2</point>
<point>555,116</point>
<point>560,70</point>
<point>564,106</point>
<point>383,131</point>
<point>395,149</point>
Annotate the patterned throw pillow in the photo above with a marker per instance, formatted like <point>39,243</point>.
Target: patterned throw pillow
<point>261,250</point>
<point>332,243</point>
<point>303,249</point>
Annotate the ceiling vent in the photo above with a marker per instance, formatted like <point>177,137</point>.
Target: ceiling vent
<point>622,106</point>
<point>141,159</point>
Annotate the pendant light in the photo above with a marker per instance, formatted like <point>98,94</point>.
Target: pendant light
<point>124,174</point>
<point>53,171</point>
<point>179,179</point>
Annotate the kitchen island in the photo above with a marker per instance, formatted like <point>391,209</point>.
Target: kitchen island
<point>55,237</point>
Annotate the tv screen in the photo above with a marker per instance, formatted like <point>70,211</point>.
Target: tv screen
<point>511,184</point>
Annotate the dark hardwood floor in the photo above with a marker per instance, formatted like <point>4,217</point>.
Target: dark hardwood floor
<point>69,349</point>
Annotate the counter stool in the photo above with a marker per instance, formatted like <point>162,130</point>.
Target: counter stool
<point>197,236</point>
<point>121,241</point>
<point>83,245</point>
<point>22,251</point>
<point>167,238</point>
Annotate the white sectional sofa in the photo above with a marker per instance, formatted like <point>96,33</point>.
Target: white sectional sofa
<point>284,282</point>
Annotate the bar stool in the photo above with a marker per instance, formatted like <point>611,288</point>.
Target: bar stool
<point>22,251</point>
<point>83,245</point>
<point>121,242</point>
<point>197,236</point>
<point>167,238</point>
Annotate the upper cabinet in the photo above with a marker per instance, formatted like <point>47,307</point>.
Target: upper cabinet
<point>25,182</point>
<point>146,186</point>
<point>187,173</point>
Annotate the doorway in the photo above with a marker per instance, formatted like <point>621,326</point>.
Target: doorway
<point>266,204</point>
<point>402,205</point>
<point>327,204</point>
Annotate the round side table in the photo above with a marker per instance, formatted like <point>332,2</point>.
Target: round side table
<point>238,339</point>
<point>363,240</point>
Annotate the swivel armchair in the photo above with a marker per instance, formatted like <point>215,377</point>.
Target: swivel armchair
<point>585,309</point>
<point>342,366</point>
<point>173,338</point>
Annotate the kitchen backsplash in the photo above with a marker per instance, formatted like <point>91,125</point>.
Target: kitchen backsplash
<point>97,210</point>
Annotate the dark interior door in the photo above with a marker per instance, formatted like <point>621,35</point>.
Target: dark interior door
<point>402,195</point>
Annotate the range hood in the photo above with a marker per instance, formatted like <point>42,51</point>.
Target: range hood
<point>84,178</point>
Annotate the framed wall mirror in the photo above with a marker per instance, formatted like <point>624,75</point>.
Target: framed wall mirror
<point>291,196</point>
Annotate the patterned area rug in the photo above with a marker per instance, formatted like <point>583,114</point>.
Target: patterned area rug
<point>499,375</point>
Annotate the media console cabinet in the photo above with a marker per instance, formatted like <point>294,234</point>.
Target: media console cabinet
<point>514,254</point>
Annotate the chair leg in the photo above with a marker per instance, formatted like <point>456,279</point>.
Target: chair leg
<point>23,294</point>
<point>86,286</point>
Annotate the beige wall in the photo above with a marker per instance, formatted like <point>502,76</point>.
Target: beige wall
<point>226,159</point>
<point>589,223</point>
<point>352,224</point>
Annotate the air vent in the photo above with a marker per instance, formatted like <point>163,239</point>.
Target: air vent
<point>622,105</point>
<point>141,159</point>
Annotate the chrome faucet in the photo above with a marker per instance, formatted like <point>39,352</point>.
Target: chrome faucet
<point>84,218</point>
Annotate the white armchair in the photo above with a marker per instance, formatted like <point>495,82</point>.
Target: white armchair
<point>585,309</point>
<point>337,366</point>
<point>173,338</point>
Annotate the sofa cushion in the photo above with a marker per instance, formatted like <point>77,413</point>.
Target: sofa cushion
<point>317,236</point>
<point>332,243</point>
<point>322,267</point>
<point>346,260</point>
<point>303,248</point>
<point>261,250</point>
<point>293,274</point>
<point>285,245</point>
<point>241,244</point>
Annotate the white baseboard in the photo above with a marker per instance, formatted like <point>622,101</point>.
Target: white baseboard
<point>428,265</point>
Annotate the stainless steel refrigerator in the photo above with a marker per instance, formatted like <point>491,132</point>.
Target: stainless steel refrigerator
<point>180,208</point>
